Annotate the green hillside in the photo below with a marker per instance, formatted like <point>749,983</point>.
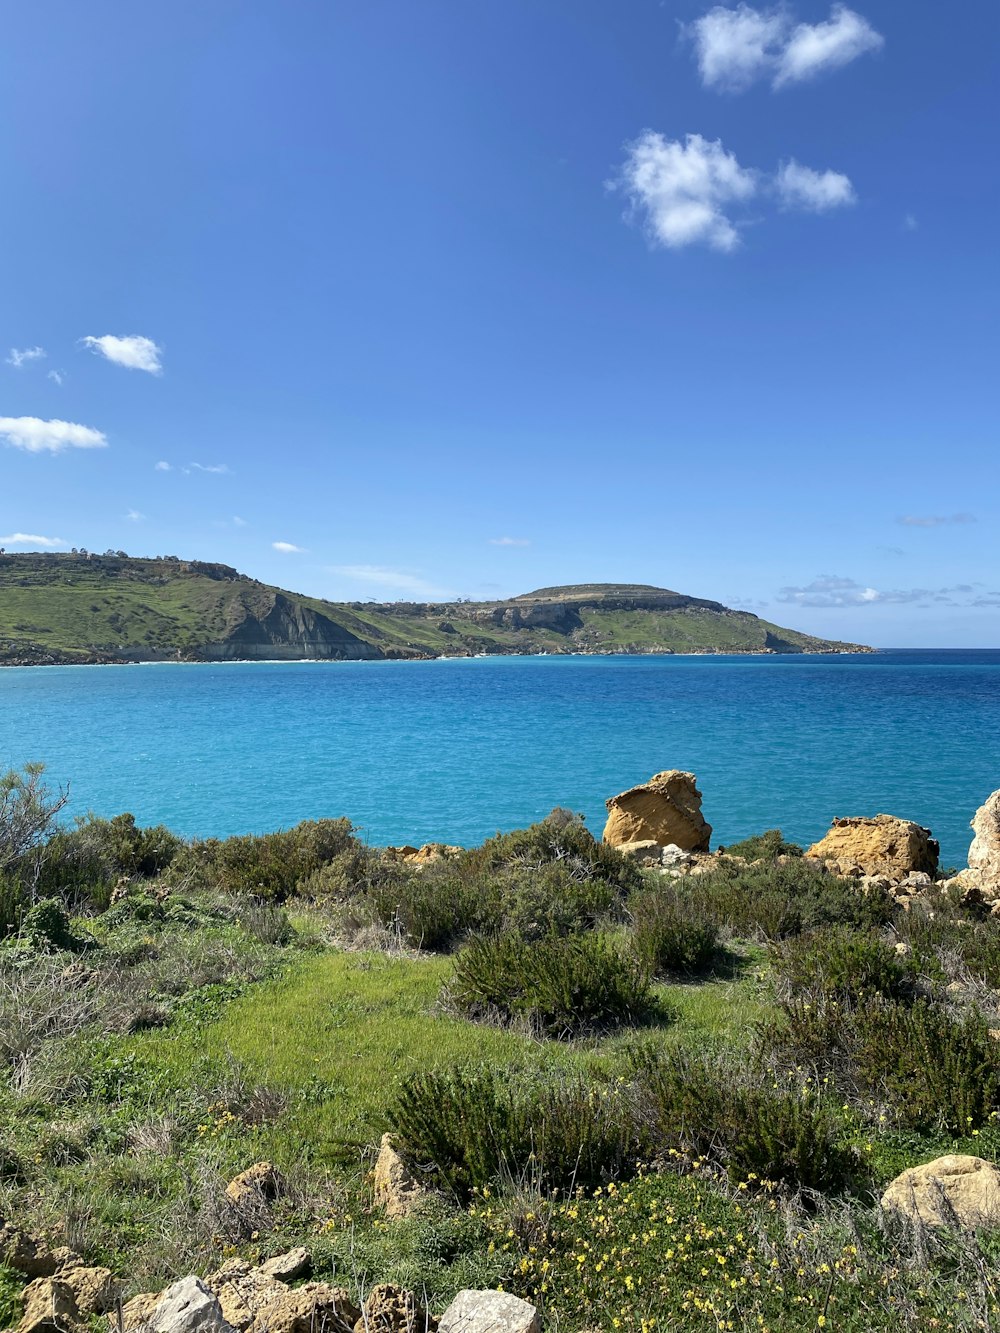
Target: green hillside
<point>81,607</point>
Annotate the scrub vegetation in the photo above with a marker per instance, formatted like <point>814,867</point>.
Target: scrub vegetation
<point>641,1102</point>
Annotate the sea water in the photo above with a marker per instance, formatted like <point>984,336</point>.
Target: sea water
<point>453,750</point>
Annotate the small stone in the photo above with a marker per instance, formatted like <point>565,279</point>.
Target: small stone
<point>258,1182</point>
<point>954,1190</point>
<point>397,1190</point>
<point>287,1267</point>
<point>489,1312</point>
<point>187,1307</point>
<point>50,1307</point>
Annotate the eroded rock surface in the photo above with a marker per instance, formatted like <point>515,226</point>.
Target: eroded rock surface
<point>984,854</point>
<point>665,810</point>
<point>883,845</point>
<point>489,1312</point>
<point>950,1191</point>
<point>397,1191</point>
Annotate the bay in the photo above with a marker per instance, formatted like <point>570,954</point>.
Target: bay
<point>453,750</point>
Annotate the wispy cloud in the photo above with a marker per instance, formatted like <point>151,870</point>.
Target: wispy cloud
<point>218,469</point>
<point>31,539</point>
<point>56,376</point>
<point>814,191</point>
<point>288,548</point>
<point>133,351</point>
<point>910,223</point>
<point>36,436</point>
<point>510,541</point>
<point>689,193</point>
<point>134,516</point>
<point>934,520</point>
<point>397,580</point>
<point>17,359</point>
<point>737,47</point>
<point>239,522</point>
<point>162,466</point>
<point>830,590</point>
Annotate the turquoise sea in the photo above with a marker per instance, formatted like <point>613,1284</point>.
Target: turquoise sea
<point>454,750</point>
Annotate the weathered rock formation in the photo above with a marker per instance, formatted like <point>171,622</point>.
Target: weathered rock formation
<point>984,854</point>
<point>397,1191</point>
<point>664,810</point>
<point>884,845</point>
<point>950,1191</point>
<point>489,1312</point>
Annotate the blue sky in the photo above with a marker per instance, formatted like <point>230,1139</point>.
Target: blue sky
<point>467,299</point>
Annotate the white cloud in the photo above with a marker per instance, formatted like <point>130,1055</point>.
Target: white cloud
<point>133,351</point>
<point>37,436</point>
<point>161,466</point>
<point>682,190</point>
<point>383,577</point>
<point>737,47</point>
<point>239,522</point>
<point>134,516</point>
<point>814,47</point>
<point>510,541</point>
<point>288,548</point>
<point>829,590</point>
<point>910,223</point>
<point>815,191</point>
<point>56,376</point>
<point>19,358</point>
<point>218,468</point>
<point>31,539</point>
<point>934,520</point>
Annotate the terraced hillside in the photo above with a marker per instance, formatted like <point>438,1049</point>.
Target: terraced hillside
<point>81,607</point>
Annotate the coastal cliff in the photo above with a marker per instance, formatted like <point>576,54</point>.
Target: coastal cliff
<point>80,607</point>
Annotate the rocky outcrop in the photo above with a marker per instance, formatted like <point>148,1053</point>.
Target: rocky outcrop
<point>258,1182</point>
<point>315,1308</point>
<point>397,1191</point>
<point>665,810</point>
<point>950,1191</point>
<point>289,630</point>
<point>883,845</point>
<point>489,1312</point>
<point>392,1309</point>
<point>984,854</point>
<point>421,856</point>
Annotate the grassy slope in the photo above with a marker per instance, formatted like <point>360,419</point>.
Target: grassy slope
<point>78,608</point>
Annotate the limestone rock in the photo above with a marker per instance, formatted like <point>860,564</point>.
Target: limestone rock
<point>392,1309</point>
<point>50,1307</point>
<point>664,810</point>
<point>489,1312</point>
<point>187,1307</point>
<point>24,1253</point>
<point>287,1267</point>
<point>258,1182</point>
<point>136,1313</point>
<point>314,1308</point>
<point>984,854</point>
<point>95,1290</point>
<point>242,1291</point>
<point>397,1190</point>
<point>884,845</point>
<point>646,849</point>
<point>951,1190</point>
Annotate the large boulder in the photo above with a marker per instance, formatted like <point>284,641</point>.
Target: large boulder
<point>984,854</point>
<point>664,810</point>
<point>884,845</point>
<point>950,1191</point>
<point>489,1312</point>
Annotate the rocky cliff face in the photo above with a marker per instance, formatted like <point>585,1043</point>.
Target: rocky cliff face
<point>289,630</point>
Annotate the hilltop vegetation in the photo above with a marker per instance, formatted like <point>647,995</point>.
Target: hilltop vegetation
<point>81,607</point>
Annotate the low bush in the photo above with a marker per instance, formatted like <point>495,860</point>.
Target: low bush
<point>45,928</point>
<point>927,1068</point>
<point>668,937</point>
<point>775,900</point>
<point>268,865</point>
<point>705,1108</point>
<point>562,838</point>
<point>949,944</point>
<point>561,986</point>
<point>469,1128</point>
<point>842,964</point>
<point>763,847</point>
<point>85,863</point>
<point>431,908</point>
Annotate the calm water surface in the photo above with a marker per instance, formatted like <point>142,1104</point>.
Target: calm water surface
<point>454,750</point>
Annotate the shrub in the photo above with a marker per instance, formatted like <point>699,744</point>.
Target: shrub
<point>431,908</point>
<point>842,964</point>
<point>45,928</point>
<point>470,1127</point>
<point>776,900</point>
<point>87,861</point>
<point>28,812</point>
<point>704,1108</point>
<point>931,1069</point>
<point>268,865</point>
<point>763,847</point>
<point>562,839</point>
<point>668,937</point>
<point>558,986</point>
<point>949,943</point>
